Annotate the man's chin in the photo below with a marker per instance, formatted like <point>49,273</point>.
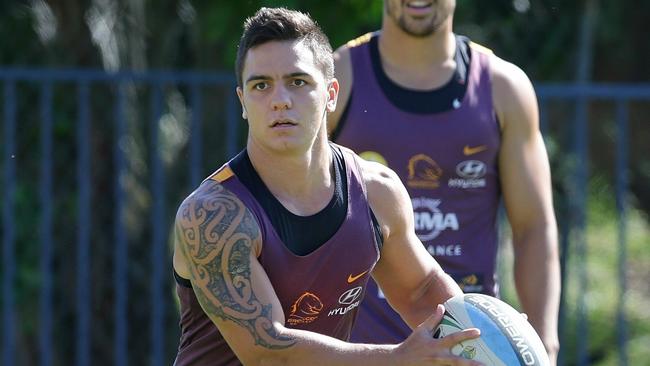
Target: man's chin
<point>417,30</point>
<point>286,147</point>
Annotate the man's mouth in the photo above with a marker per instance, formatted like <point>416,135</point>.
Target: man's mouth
<point>283,123</point>
<point>418,4</point>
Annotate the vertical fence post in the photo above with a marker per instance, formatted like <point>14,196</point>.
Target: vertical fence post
<point>83,294</point>
<point>8,237</point>
<point>46,310</point>
<point>158,228</point>
<point>564,234</point>
<point>581,188</point>
<point>622,141</point>
<point>121,255</point>
<point>584,67</point>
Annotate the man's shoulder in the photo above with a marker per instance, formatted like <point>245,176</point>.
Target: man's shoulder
<point>505,71</point>
<point>345,75</point>
<point>513,94</point>
<point>218,206</point>
<point>344,50</point>
<point>477,47</point>
<point>510,84</point>
<point>501,70</point>
<point>380,180</point>
<point>387,197</point>
<point>361,40</point>
<point>210,190</point>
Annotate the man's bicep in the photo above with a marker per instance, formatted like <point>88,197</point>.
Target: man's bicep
<point>523,162</point>
<point>405,269</point>
<point>218,236</point>
<point>526,182</point>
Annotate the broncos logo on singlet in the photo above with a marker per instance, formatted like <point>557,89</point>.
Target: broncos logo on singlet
<point>306,309</point>
<point>424,172</point>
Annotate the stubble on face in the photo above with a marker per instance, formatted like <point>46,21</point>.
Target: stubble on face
<point>419,26</point>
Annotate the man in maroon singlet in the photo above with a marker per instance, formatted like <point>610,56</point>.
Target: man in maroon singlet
<point>274,250</point>
<point>460,127</point>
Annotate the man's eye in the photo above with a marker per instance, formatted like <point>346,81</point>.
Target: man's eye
<point>260,86</point>
<point>298,82</point>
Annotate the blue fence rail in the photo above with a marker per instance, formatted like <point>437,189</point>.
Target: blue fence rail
<point>160,302</point>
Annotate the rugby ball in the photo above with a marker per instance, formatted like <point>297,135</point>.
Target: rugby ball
<point>507,339</point>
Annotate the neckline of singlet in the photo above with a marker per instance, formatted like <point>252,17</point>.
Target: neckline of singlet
<point>420,102</point>
<point>259,189</point>
<point>445,98</point>
<point>336,209</point>
<point>301,235</point>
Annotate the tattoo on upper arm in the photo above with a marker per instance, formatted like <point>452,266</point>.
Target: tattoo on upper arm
<point>217,233</point>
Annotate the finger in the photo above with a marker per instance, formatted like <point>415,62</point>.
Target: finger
<point>461,336</point>
<point>454,361</point>
<point>434,319</point>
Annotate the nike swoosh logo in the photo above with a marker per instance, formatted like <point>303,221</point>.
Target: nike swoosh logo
<point>352,278</point>
<point>474,150</point>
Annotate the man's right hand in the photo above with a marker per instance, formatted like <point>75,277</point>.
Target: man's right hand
<point>420,348</point>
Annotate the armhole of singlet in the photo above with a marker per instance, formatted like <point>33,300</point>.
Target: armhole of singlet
<point>379,236</point>
<point>487,53</point>
<point>180,280</point>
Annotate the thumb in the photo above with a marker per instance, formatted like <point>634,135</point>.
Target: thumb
<point>434,319</point>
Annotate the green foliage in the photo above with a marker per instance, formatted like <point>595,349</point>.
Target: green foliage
<point>221,26</point>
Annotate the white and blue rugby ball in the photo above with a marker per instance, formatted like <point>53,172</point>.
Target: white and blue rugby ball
<point>507,339</point>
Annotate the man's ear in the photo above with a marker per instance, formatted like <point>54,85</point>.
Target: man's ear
<point>332,95</point>
<point>240,94</point>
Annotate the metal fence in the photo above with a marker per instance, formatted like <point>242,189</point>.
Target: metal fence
<point>581,95</point>
<point>45,87</point>
<point>83,80</point>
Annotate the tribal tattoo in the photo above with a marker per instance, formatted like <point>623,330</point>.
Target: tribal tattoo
<point>217,232</point>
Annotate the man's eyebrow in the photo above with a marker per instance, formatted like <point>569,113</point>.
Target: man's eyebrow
<point>288,76</point>
<point>297,74</point>
<point>257,77</point>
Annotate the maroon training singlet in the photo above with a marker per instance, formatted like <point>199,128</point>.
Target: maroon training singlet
<point>319,292</point>
<point>448,163</point>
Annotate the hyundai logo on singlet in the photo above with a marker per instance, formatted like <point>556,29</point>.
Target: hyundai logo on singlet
<point>430,220</point>
<point>471,173</point>
<point>471,169</point>
<point>350,299</point>
<point>349,296</point>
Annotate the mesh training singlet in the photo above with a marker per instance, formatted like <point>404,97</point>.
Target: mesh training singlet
<point>319,292</point>
<point>447,160</point>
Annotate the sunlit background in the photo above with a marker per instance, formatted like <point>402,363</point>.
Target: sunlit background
<point>112,111</point>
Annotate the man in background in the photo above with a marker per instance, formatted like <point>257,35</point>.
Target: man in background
<point>459,125</point>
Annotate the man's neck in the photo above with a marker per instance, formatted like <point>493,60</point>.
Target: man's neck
<point>302,182</point>
<point>417,62</point>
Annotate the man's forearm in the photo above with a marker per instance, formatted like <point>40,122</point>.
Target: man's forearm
<point>537,278</point>
<point>316,349</point>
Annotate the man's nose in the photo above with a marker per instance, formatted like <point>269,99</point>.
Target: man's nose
<point>281,98</point>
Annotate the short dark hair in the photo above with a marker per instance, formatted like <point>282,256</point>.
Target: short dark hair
<point>281,24</point>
